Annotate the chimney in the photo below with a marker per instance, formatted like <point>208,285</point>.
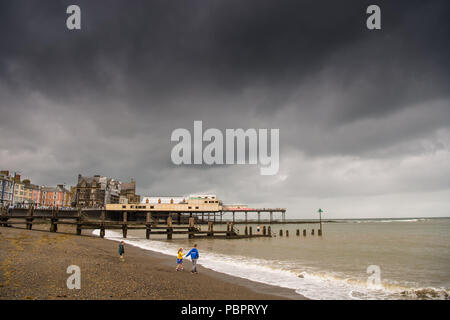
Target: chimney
<point>17,178</point>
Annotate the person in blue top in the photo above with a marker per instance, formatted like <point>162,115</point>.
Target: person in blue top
<point>194,257</point>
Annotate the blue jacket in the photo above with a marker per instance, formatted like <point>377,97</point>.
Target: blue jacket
<point>193,253</point>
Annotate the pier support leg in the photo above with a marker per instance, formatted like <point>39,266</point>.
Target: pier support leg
<point>246,230</point>
<point>246,218</point>
<point>271,216</point>
<point>287,233</point>
<point>259,216</point>
<point>312,232</point>
<point>319,232</point>
<point>148,230</point>
<point>169,233</point>
<point>102,232</point>
<point>250,231</point>
<point>233,216</point>
<point>264,230</point>
<point>304,232</point>
<point>269,231</point>
<point>297,232</point>
<point>281,232</point>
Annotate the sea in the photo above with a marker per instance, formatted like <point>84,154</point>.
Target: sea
<point>367,259</point>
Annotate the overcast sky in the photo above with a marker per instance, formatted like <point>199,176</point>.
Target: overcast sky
<point>364,116</point>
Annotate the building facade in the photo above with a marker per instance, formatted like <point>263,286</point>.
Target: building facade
<point>96,191</point>
<point>53,196</point>
<point>6,188</point>
<point>128,193</point>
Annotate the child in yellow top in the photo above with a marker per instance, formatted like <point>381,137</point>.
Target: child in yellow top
<point>180,260</point>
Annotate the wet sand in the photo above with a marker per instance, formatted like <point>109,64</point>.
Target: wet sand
<point>33,265</point>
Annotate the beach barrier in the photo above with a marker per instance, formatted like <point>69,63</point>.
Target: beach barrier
<point>100,219</point>
<point>304,232</point>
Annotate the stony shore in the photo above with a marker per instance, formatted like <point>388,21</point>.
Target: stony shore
<point>33,265</point>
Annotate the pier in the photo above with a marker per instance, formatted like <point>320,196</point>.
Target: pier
<point>155,223</point>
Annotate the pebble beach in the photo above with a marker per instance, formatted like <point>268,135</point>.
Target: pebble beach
<point>33,265</point>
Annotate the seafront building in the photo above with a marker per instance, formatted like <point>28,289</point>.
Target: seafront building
<point>6,188</point>
<point>53,196</point>
<point>128,193</point>
<point>97,191</point>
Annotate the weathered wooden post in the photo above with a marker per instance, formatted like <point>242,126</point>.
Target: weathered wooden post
<point>281,232</point>
<point>233,215</point>
<point>191,228</point>
<point>210,229</point>
<point>125,224</point>
<point>269,230</point>
<point>259,216</point>
<point>53,220</point>
<point>287,233</point>
<point>79,221</point>
<point>30,217</point>
<point>102,224</point>
<point>148,227</point>
<point>169,228</point>
<point>312,232</point>
<point>246,231</point>
<point>319,232</point>
<point>264,230</point>
<point>304,232</point>
<point>250,231</point>
<point>297,232</point>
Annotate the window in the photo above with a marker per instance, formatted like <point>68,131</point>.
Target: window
<point>124,207</point>
<point>152,207</point>
<point>196,207</point>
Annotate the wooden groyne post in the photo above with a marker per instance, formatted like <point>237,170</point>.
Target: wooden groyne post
<point>54,220</point>
<point>169,228</point>
<point>79,221</point>
<point>148,228</point>
<point>191,228</point>
<point>210,229</point>
<point>30,217</point>
<point>304,232</point>
<point>102,224</point>
<point>124,224</point>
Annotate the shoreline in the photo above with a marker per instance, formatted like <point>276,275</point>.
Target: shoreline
<point>33,266</point>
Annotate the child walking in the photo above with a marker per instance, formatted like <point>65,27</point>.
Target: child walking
<point>180,260</point>
<point>121,251</point>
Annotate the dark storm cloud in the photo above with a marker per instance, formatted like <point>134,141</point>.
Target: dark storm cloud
<point>106,99</point>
